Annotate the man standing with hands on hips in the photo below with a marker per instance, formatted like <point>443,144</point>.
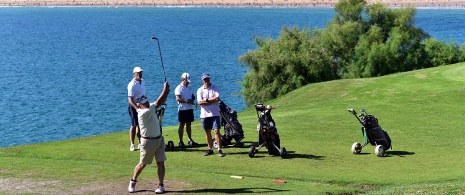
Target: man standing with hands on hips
<point>208,97</point>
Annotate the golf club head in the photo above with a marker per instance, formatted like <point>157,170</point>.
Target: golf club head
<point>154,38</point>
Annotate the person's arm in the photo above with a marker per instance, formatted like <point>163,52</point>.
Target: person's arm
<point>180,100</point>
<point>131,102</point>
<point>163,96</point>
<point>216,96</point>
<point>130,95</point>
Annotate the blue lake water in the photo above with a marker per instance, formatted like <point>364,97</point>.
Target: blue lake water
<point>64,70</point>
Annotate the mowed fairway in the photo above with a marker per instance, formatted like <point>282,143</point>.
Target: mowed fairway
<point>423,111</point>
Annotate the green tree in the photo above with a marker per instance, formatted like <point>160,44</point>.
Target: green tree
<point>440,53</point>
<point>278,67</point>
<point>360,41</point>
<point>391,43</point>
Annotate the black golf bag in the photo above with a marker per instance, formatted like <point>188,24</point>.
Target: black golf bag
<point>372,133</point>
<point>267,133</point>
<point>232,128</point>
<point>376,135</point>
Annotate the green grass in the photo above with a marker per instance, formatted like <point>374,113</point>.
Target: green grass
<point>421,110</point>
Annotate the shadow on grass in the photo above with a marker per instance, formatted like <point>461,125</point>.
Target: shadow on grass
<point>400,153</point>
<point>263,152</point>
<point>231,191</point>
<point>292,154</point>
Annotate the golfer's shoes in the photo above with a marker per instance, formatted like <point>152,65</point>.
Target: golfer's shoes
<point>208,152</point>
<point>192,143</point>
<point>132,186</point>
<point>139,147</point>
<point>132,148</point>
<point>220,153</point>
<point>160,190</point>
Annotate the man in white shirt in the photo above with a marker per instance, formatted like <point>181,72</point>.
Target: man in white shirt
<point>136,89</point>
<point>208,97</point>
<point>185,99</point>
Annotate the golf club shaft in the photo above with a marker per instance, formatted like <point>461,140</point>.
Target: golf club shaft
<point>161,58</point>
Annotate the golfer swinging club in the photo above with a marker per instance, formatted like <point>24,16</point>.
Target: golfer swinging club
<point>152,142</point>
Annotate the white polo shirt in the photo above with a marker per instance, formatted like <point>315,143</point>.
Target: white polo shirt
<point>186,93</point>
<point>136,89</point>
<point>204,93</point>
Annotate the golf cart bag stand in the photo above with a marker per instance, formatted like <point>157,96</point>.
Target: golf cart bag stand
<point>267,133</point>
<point>232,128</point>
<point>372,134</point>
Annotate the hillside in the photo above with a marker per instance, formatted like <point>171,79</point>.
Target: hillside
<point>421,110</point>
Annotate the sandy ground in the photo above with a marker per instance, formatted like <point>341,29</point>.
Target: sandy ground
<point>251,3</point>
<point>17,186</point>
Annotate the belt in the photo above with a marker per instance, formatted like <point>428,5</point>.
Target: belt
<point>152,137</point>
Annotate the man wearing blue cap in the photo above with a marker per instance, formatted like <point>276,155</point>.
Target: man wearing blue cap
<point>208,97</point>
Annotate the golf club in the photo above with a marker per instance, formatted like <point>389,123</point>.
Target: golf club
<point>161,58</point>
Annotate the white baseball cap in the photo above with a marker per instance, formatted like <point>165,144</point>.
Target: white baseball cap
<point>186,76</point>
<point>137,69</point>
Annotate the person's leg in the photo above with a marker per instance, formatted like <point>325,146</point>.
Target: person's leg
<point>208,136</point>
<point>218,138</point>
<point>137,170</point>
<point>207,126</point>
<point>138,133</point>
<point>160,157</point>
<point>181,131</point>
<point>132,134</point>
<point>134,129</point>
<point>216,125</point>
<point>190,119</point>
<point>189,131</point>
<point>161,172</point>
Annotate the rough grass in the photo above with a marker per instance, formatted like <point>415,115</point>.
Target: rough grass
<point>421,110</point>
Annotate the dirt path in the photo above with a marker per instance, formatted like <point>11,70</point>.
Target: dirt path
<point>17,186</point>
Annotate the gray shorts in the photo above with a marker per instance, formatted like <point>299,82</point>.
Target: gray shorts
<point>210,123</point>
<point>151,148</point>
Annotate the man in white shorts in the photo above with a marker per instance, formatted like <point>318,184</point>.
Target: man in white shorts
<point>152,142</point>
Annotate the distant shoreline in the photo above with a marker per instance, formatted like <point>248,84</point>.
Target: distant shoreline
<point>436,4</point>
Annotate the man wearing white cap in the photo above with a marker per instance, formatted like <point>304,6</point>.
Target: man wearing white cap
<point>136,89</point>
<point>185,98</point>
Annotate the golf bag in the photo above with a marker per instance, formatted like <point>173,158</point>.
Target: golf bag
<point>372,133</point>
<point>232,128</point>
<point>267,133</point>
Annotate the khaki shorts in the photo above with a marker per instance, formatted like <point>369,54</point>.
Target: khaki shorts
<point>151,148</point>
